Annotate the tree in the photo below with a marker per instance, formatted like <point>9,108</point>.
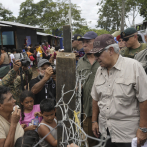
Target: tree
<point>132,8</point>
<point>6,15</point>
<point>143,8</point>
<point>29,13</point>
<point>110,13</point>
<point>49,15</point>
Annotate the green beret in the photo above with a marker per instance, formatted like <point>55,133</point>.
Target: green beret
<point>128,32</point>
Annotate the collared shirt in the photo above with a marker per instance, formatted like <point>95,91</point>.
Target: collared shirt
<point>118,95</point>
<point>85,66</point>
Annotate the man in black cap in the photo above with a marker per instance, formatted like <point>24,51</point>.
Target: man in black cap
<point>43,86</point>
<point>88,65</point>
<point>132,44</point>
<point>77,45</point>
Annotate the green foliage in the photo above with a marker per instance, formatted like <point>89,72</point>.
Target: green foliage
<point>29,13</point>
<point>6,15</point>
<point>49,15</point>
<point>143,8</point>
<point>110,12</point>
<point>85,29</point>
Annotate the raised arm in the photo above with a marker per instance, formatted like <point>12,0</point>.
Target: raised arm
<point>38,86</point>
<point>9,140</point>
<point>11,74</point>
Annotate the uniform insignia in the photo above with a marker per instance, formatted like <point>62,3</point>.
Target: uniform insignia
<point>78,37</point>
<point>96,43</point>
<point>109,42</point>
<point>123,34</point>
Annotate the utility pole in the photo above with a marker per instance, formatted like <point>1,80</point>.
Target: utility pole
<point>123,15</point>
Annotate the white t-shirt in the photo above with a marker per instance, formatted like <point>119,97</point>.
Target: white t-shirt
<point>12,57</point>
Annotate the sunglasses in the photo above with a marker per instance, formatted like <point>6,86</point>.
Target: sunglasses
<point>99,53</point>
<point>126,39</point>
<point>121,40</point>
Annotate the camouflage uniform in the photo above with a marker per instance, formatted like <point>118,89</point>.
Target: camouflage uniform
<point>129,52</point>
<point>15,84</point>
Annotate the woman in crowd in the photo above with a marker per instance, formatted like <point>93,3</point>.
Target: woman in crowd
<point>4,59</point>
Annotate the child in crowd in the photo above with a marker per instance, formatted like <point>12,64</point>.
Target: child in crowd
<point>48,123</point>
<point>29,139</point>
<point>28,110</point>
<point>30,55</point>
<point>28,51</point>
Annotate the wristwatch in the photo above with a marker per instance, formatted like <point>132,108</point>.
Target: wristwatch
<point>144,130</point>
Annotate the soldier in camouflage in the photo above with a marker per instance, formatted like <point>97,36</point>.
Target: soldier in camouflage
<point>132,44</point>
<point>13,80</point>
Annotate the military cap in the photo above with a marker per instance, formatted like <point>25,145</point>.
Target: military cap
<point>129,32</point>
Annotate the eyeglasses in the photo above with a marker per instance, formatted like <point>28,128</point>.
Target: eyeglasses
<point>99,53</point>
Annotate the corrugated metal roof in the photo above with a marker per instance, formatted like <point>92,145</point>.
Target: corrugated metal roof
<point>18,24</point>
<point>45,34</point>
<point>3,25</point>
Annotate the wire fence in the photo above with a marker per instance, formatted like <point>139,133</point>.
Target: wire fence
<point>75,132</point>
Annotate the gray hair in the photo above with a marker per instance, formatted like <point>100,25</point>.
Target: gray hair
<point>115,46</point>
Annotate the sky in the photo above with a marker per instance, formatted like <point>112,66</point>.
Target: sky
<point>88,8</point>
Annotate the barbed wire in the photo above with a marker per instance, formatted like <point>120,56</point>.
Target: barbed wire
<point>70,134</point>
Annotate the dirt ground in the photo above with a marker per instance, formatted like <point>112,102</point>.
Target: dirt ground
<point>35,72</point>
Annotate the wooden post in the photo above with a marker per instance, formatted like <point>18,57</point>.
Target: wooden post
<point>67,38</point>
<point>65,74</point>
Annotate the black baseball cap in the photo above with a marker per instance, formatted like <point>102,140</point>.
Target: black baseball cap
<point>76,37</point>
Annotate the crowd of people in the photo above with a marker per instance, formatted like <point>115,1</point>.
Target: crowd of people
<point>113,96</point>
